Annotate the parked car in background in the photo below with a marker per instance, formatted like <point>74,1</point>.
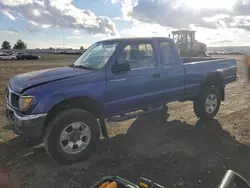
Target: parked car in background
<point>29,57</point>
<point>18,54</point>
<point>4,56</point>
<point>8,52</point>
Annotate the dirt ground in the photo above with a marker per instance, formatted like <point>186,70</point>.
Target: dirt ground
<point>176,151</point>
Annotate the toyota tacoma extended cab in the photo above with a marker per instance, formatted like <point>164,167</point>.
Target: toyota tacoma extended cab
<point>114,80</point>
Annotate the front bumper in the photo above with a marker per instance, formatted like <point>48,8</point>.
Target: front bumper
<point>28,126</point>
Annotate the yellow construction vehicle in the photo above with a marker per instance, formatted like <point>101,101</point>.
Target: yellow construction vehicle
<point>187,45</point>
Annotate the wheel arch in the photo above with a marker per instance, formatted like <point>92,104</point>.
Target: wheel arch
<point>86,103</point>
<point>215,80</point>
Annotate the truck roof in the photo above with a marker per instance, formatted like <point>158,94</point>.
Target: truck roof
<point>134,38</point>
<point>182,31</point>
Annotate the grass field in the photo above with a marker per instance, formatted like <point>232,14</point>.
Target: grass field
<point>47,58</point>
<point>174,150</point>
<point>57,57</point>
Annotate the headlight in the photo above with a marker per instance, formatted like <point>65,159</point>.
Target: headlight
<point>25,102</point>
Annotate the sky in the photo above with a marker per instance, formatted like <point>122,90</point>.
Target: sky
<point>76,23</point>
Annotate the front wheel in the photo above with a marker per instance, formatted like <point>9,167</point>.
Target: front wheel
<point>71,136</point>
<point>207,104</point>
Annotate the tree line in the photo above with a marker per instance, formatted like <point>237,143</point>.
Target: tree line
<point>19,45</point>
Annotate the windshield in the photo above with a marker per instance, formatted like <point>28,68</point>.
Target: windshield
<point>97,56</point>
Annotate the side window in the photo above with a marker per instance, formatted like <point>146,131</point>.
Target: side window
<point>138,56</point>
<point>166,53</point>
<point>149,49</point>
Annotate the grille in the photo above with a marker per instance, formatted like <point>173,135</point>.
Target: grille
<point>12,98</point>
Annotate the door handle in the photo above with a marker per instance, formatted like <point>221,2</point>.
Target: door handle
<point>156,75</point>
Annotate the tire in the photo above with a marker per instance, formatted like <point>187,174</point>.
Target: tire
<point>12,59</point>
<point>52,142</point>
<point>202,109</point>
<point>0,59</point>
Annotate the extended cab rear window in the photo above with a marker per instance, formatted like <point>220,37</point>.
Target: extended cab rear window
<point>166,53</point>
<point>138,55</point>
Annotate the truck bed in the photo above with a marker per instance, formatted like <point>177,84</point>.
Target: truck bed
<point>201,68</point>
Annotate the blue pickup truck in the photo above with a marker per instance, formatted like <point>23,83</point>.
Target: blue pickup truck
<point>114,80</point>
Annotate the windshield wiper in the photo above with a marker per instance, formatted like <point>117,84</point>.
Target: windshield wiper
<point>80,66</point>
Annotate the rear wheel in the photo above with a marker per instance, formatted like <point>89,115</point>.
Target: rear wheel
<point>71,136</point>
<point>207,103</point>
<point>12,58</point>
<point>0,58</point>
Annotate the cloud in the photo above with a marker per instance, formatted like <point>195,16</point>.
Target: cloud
<point>167,14</point>
<point>74,37</point>
<point>242,7</point>
<point>33,30</point>
<point>220,36</point>
<point>9,31</point>
<point>76,31</point>
<point>16,2</point>
<point>221,42</point>
<point>145,29</point>
<point>47,44</point>
<point>117,18</point>
<point>6,13</point>
<point>182,14</point>
<point>58,13</point>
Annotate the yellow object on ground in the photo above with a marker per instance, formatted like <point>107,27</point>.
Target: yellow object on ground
<point>112,185</point>
<point>143,185</point>
<point>104,185</point>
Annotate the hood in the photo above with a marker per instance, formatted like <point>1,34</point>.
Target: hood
<point>25,81</point>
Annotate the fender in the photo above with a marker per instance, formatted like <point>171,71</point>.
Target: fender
<point>216,78</point>
<point>91,90</point>
<point>47,104</point>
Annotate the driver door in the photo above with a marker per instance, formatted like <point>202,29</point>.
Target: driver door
<point>131,90</point>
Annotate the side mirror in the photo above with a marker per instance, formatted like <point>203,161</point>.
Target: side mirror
<point>121,67</point>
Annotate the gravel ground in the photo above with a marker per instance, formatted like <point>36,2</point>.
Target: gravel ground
<point>176,150</point>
